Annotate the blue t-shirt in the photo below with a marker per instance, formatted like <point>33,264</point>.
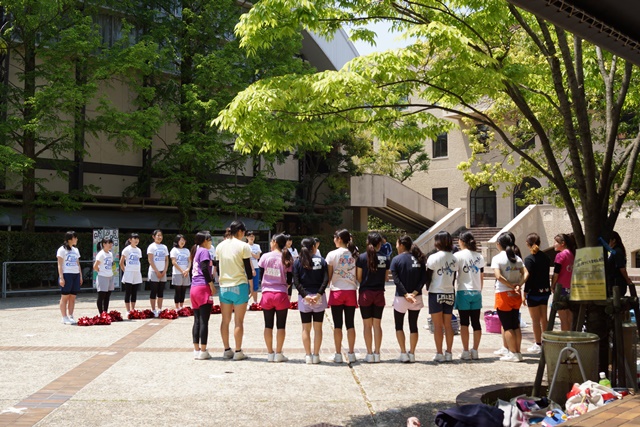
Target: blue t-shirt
<point>410,272</point>
<point>373,280</point>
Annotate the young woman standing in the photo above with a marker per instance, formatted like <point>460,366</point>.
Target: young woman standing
<point>255,256</point>
<point>310,277</point>
<point>441,268</point>
<point>409,273</point>
<point>158,256</point>
<point>562,270</point>
<point>278,267</point>
<point>469,293</point>
<point>341,265</point>
<point>130,261</point>
<point>69,276</point>
<point>202,291</point>
<point>104,266</point>
<point>510,276</point>
<point>181,261</point>
<point>372,272</point>
<point>537,290</point>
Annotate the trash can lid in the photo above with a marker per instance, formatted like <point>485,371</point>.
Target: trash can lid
<point>569,336</point>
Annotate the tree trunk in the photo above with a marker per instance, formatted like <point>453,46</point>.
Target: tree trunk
<point>29,138</point>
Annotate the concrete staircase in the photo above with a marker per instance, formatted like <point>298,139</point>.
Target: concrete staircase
<point>482,234</point>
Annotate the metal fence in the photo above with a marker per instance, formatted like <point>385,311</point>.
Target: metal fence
<point>43,277</point>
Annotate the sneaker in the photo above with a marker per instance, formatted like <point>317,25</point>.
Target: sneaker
<point>412,357</point>
<point>376,357</point>
<point>502,352</point>
<point>308,359</point>
<point>73,321</point>
<point>352,357</point>
<point>196,353</point>
<point>279,357</point>
<point>474,354</point>
<point>66,321</point>
<point>404,358</point>
<point>368,358</point>
<point>239,355</point>
<point>315,359</point>
<point>448,357</point>
<point>535,349</point>
<point>438,357</point>
<point>510,357</point>
<point>156,313</point>
<point>204,355</point>
<point>271,357</point>
<point>519,356</point>
<point>466,355</point>
<point>337,358</point>
<point>228,354</point>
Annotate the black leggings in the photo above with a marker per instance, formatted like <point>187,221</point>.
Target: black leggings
<point>371,311</point>
<point>317,317</point>
<point>200,329</point>
<point>413,320</point>
<point>280,315</point>
<point>470,316</point>
<point>130,292</point>
<point>103,301</point>
<point>509,319</point>
<point>349,315</point>
<point>180,292</point>
<point>157,289</point>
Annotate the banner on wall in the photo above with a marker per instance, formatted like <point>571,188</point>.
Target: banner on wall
<point>98,235</point>
<point>588,281</point>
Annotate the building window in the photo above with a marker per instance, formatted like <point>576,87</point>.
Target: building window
<point>441,195</point>
<point>483,207</point>
<point>440,148</point>
<point>519,194</point>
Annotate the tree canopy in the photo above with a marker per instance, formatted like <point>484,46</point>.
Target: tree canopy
<point>485,61</point>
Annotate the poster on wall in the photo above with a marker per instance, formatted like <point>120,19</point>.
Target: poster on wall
<point>98,235</point>
<point>588,281</point>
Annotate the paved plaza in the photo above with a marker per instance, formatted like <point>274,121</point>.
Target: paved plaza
<point>142,372</point>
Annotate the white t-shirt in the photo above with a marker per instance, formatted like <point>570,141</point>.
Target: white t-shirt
<point>105,269</point>
<point>132,258</point>
<point>182,259</point>
<point>294,253</point>
<point>255,249</point>
<point>344,270</point>
<point>469,265</point>
<point>444,265</point>
<point>160,254</point>
<point>231,253</point>
<point>70,260</point>
<point>509,270</point>
<point>212,252</point>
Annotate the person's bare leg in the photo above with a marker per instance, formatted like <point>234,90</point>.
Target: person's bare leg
<point>238,318</point>
<point>226,310</point>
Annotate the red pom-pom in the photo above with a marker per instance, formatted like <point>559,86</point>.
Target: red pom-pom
<point>148,314</point>
<point>185,312</point>
<point>215,309</point>
<point>136,314</point>
<point>103,319</point>
<point>168,314</point>
<point>293,305</point>
<point>115,316</point>
<point>85,321</point>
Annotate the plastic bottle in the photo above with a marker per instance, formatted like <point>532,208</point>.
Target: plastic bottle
<point>604,381</point>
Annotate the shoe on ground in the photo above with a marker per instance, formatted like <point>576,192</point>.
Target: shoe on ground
<point>376,357</point>
<point>66,321</point>
<point>279,357</point>
<point>239,355</point>
<point>156,313</point>
<point>404,358</point>
<point>448,357</point>
<point>308,359</point>
<point>337,358</point>
<point>228,354</point>
<point>368,358</point>
<point>73,321</point>
<point>502,352</point>
<point>510,357</point>
<point>196,353</point>
<point>438,357</point>
<point>466,355</point>
<point>519,356</point>
<point>474,354</point>
<point>315,359</point>
<point>412,357</point>
<point>352,357</point>
<point>271,357</point>
<point>204,355</point>
<point>535,349</point>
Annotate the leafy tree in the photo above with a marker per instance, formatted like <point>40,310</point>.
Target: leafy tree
<point>486,61</point>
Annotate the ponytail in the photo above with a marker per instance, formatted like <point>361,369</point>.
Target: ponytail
<point>307,245</point>
<point>281,242</point>
<point>469,241</point>
<point>533,240</point>
<point>406,242</point>
<point>346,238</point>
<point>506,243</point>
<point>373,240</point>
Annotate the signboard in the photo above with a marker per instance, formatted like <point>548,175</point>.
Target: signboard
<point>588,281</point>
<point>98,235</point>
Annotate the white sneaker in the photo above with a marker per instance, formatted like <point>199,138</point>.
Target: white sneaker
<point>438,357</point>
<point>228,354</point>
<point>352,357</point>
<point>73,321</point>
<point>315,359</point>
<point>474,354</point>
<point>368,358</point>
<point>66,321</point>
<point>337,358</point>
<point>271,357</point>
<point>448,357</point>
<point>196,353</point>
<point>466,355</point>
<point>156,313</point>
<point>510,357</point>
<point>376,357</point>
<point>535,349</point>
<point>404,358</point>
<point>279,357</point>
<point>519,356</point>
<point>204,355</point>
<point>308,359</point>
<point>239,355</point>
<point>412,357</point>
<point>502,352</point>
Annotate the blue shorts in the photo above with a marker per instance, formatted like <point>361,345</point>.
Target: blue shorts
<point>256,280</point>
<point>537,300</point>
<point>441,303</point>
<point>235,295</point>
<point>468,300</point>
<point>71,284</point>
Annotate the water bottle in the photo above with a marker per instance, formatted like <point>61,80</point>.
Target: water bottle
<point>604,381</point>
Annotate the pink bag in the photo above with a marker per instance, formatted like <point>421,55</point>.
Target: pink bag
<point>492,322</point>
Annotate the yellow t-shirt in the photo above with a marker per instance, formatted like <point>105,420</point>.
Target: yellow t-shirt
<point>231,254</point>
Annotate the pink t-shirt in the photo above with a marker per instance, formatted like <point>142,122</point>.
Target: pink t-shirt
<point>565,259</point>
<point>275,273</point>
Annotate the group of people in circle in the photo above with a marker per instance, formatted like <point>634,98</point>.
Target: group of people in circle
<point>453,277</point>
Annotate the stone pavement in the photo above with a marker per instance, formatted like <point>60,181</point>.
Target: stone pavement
<point>142,372</point>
